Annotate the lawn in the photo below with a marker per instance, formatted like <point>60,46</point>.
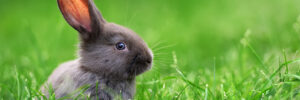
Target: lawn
<point>204,49</point>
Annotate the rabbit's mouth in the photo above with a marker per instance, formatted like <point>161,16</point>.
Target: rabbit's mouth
<point>134,59</point>
<point>138,65</point>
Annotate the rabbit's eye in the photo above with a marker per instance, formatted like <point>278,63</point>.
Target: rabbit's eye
<point>120,46</point>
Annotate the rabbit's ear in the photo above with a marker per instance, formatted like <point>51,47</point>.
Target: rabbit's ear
<point>82,15</point>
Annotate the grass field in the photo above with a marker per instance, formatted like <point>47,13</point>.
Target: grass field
<point>204,49</point>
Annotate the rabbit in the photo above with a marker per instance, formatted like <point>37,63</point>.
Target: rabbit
<point>110,56</point>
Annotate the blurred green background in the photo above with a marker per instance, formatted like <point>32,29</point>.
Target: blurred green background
<point>232,46</point>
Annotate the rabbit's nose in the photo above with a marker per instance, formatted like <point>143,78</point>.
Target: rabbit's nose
<point>140,58</point>
<point>149,61</point>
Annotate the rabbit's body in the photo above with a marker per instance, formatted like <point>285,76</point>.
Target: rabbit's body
<point>109,54</point>
<point>69,77</point>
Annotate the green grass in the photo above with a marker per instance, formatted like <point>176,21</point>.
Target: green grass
<point>204,49</point>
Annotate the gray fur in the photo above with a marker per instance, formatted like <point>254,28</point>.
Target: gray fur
<point>100,62</point>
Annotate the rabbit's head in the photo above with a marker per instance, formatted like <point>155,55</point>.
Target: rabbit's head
<point>107,49</point>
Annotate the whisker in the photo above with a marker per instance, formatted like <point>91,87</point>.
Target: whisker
<point>163,47</point>
<point>158,69</point>
<point>156,44</point>
<point>155,54</point>
<point>162,62</point>
<point>161,66</point>
<point>162,58</point>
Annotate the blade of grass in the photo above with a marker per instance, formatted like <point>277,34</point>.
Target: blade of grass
<point>18,84</point>
<point>282,65</point>
<point>178,96</point>
<point>184,78</point>
<point>258,58</point>
<point>287,65</point>
<point>206,94</point>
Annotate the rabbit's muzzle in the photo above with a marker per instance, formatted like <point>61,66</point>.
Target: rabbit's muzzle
<point>140,63</point>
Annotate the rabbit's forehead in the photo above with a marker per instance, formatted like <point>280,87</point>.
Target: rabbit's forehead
<point>119,33</point>
<point>115,29</point>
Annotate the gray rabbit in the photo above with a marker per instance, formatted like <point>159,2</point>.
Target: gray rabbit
<point>110,56</point>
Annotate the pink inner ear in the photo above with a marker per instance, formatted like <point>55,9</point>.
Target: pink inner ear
<point>76,12</point>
